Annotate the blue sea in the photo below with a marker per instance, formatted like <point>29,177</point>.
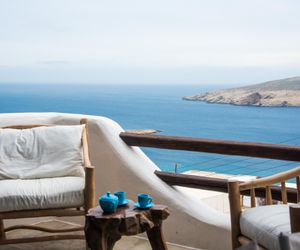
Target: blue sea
<point>161,107</point>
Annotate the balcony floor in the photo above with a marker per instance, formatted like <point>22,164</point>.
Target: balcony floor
<point>126,243</point>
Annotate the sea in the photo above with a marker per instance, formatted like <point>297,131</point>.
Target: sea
<point>161,107</point>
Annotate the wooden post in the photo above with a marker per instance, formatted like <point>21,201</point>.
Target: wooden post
<point>283,193</point>
<point>89,191</point>
<point>252,194</point>
<point>85,143</point>
<point>235,211</point>
<point>298,188</point>
<point>295,218</point>
<point>268,195</point>
<point>2,233</point>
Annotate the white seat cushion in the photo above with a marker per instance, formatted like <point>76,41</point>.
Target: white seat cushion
<point>289,241</point>
<point>264,224</point>
<point>59,192</point>
<point>41,152</point>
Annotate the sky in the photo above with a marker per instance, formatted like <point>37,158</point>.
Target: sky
<point>149,42</point>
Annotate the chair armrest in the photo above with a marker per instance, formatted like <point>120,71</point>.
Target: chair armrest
<point>89,168</point>
<point>270,180</point>
<point>89,192</point>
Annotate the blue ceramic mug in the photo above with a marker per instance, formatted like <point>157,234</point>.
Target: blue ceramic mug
<point>122,197</point>
<point>144,200</point>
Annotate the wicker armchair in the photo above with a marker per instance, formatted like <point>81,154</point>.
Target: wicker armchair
<point>87,198</point>
<point>263,224</point>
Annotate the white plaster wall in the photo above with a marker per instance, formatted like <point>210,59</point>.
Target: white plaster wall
<point>120,167</point>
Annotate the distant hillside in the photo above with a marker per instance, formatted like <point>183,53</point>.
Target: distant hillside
<point>284,92</point>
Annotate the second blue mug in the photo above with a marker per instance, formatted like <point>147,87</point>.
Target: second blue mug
<point>122,197</point>
<point>144,200</point>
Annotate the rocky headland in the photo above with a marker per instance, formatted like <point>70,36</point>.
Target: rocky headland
<point>281,93</point>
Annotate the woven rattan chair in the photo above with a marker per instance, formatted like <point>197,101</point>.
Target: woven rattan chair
<point>55,234</point>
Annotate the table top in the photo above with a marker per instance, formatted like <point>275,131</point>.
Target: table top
<point>129,210</point>
<point>128,220</point>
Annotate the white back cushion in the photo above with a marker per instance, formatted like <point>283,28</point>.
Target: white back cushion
<point>41,152</point>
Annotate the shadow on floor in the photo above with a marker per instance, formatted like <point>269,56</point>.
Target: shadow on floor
<point>126,243</point>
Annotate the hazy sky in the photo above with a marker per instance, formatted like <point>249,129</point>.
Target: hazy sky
<point>157,41</point>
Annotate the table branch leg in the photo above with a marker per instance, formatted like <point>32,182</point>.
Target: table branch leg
<point>111,240</point>
<point>156,238</point>
<point>100,237</point>
<point>93,236</point>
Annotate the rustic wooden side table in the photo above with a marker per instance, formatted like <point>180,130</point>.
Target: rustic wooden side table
<point>103,230</point>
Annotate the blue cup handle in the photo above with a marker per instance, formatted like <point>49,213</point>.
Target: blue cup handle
<point>149,200</point>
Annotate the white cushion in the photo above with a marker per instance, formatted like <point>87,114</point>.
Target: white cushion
<point>250,246</point>
<point>264,224</point>
<point>41,152</point>
<point>60,192</point>
<point>289,241</point>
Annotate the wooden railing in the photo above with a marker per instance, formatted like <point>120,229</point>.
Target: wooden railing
<point>250,149</point>
<point>220,185</point>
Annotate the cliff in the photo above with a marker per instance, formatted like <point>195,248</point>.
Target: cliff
<point>284,92</point>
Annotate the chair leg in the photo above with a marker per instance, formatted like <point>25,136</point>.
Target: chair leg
<point>295,218</point>
<point>235,211</point>
<point>2,233</point>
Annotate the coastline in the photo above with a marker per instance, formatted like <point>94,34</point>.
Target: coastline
<point>240,105</point>
<point>277,93</point>
<point>239,97</point>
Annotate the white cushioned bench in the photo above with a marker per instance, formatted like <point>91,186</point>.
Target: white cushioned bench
<point>44,171</point>
<point>57,192</point>
<point>265,223</point>
<point>41,168</point>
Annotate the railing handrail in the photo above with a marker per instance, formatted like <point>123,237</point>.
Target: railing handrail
<point>227,147</point>
<point>220,185</point>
